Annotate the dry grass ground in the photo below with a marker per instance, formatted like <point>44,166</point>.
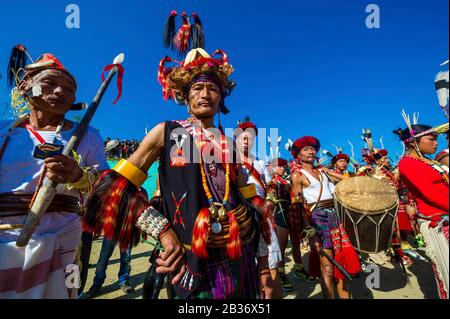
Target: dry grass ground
<point>393,284</point>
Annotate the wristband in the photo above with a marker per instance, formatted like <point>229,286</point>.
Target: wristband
<point>152,222</point>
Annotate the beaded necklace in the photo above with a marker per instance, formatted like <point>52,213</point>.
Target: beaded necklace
<point>217,210</point>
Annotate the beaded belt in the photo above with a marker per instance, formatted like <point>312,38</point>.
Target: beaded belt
<point>18,204</point>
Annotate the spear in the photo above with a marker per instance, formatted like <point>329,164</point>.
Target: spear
<point>335,263</point>
<point>48,191</point>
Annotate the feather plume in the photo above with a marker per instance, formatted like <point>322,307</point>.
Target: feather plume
<point>169,30</point>
<point>17,61</point>
<point>352,149</point>
<point>407,119</point>
<point>197,35</point>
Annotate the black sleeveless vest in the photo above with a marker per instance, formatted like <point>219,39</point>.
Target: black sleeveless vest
<point>181,185</point>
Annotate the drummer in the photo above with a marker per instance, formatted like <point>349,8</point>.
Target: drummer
<point>314,191</point>
<point>339,164</point>
<point>379,166</point>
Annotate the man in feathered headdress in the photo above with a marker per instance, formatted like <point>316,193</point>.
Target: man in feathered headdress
<point>29,148</point>
<point>208,232</point>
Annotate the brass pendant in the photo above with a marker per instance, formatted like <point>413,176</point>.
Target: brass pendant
<point>223,214</point>
<point>213,212</point>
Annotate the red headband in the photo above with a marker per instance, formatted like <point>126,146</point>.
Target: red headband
<point>248,125</point>
<point>339,157</point>
<point>303,142</point>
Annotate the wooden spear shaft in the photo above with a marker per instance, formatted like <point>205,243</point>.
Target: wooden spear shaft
<point>48,191</point>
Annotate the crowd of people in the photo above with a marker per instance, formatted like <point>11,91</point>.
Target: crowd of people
<point>221,218</point>
<point>116,149</point>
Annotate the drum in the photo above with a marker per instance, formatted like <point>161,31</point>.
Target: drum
<point>367,207</point>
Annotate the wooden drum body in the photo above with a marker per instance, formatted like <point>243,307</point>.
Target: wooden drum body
<point>367,207</point>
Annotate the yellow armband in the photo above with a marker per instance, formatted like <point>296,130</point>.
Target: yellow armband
<point>157,193</point>
<point>130,172</point>
<point>248,191</point>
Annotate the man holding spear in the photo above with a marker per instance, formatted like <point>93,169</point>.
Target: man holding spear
<point>30,157</point>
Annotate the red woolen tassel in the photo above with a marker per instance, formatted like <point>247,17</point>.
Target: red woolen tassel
<point>109,225</point>
<point>163,73</point>
<point>200,234</point>
<point>112,208</point>
<point>340,259</point>
<point>345,255</point>
<point>257,201</point>
<point>234,250</point>
<point>314,264</point>
<point>349,260</point>
<point>183,35</point>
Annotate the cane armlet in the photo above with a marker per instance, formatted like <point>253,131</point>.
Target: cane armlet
<point>130,172</point>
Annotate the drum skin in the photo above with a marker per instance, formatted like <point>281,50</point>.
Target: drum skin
<point>367,207</point>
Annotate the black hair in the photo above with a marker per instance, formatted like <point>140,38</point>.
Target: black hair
<point>404,134</point>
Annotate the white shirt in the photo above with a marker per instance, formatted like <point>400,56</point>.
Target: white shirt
<point>20,171</point>
<point>261,168</point>
<point>311,193</point>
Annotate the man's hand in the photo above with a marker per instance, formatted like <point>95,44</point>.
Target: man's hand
<point>63,169</point>
<point>315,242</point>
<point>172,258</point>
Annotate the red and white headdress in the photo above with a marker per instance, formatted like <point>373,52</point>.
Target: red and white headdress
<point>197,66</point>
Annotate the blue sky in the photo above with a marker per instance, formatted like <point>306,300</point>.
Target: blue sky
<point>306,67</point>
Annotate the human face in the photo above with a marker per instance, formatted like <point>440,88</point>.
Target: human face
<point>58,91</point>
<point>428,144</point>
<point>245,141</point>
<point>204,99</point>
<point>384,161</point>
<point>308,154</point>
<point>279,170</point>
<point>341,164</point>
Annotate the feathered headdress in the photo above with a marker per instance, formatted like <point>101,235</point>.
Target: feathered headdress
<point>17,62</point>
<point>439,129</point>
<point>441,84</point>
<point>189,35</point>
<point>176,80</point>
<point>18,69</point>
